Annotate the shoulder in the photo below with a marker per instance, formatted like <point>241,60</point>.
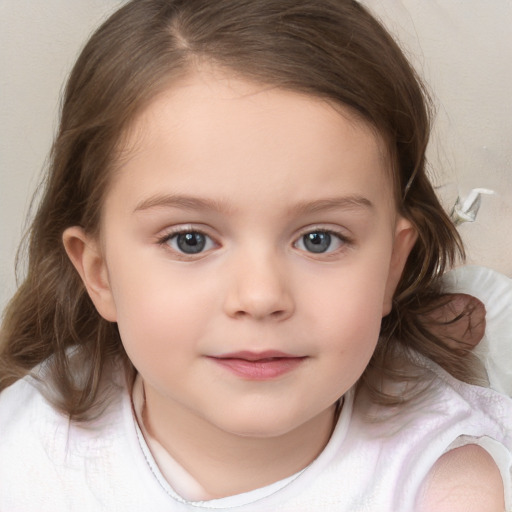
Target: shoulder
<point>24,416</point>
<point>433,398</point>
<point>465,479</point>
<point>24,419</point>
<point>17,404</point>
<point>407,444</point>
<point>42,448</point>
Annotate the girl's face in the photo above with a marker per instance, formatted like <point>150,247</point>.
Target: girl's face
<point>249,249</point>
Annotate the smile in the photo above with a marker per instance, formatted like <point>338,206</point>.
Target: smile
<point>258,366</point>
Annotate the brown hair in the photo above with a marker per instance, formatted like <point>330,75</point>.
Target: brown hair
<point>332,49</point>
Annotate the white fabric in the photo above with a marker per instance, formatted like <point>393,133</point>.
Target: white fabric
<point>495,291</point>
<point>376,459</point>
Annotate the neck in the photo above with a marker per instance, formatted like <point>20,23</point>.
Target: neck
<point>226,464</point>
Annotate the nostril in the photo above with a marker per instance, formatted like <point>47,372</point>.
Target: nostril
<point>260,315</point>
<point>261,293</point>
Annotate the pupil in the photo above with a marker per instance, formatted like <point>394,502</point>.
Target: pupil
<point>317,242</point>
<point>191,243</point>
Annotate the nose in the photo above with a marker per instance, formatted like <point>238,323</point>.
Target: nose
<point>259,289</point>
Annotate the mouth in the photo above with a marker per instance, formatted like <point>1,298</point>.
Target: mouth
<point>259,365</point>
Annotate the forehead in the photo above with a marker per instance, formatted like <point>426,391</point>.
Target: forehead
<point>213,133</point>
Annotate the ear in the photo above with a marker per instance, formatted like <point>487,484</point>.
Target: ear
<point>86,256</point>
<point>405,238</point>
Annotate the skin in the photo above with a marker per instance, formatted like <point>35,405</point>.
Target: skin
<point>463,480</point>
<point>254,169</point>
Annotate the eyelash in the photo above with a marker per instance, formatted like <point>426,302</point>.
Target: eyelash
<point>343,240</point>
<point>174,234</point>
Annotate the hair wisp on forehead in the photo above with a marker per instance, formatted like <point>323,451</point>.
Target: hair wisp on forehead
<point>332,49</point>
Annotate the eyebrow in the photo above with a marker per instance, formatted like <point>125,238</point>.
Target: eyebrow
<point>351,202</point>
<point>183,202</point>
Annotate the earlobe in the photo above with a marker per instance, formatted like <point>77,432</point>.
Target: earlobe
<point>85,254</point>
<point>405,238</point>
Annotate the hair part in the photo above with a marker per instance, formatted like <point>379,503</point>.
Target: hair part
<point>331,49</point>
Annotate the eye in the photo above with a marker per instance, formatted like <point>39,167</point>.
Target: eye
<point>189,242</point>
<point>319,242</point>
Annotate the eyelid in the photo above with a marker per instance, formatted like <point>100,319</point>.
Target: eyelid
<point>345,240</point>
<point>338,231</point>
<point>174,231</point>
<point>182,228</point>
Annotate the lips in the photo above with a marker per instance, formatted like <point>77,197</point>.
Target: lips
<point>258,365</point>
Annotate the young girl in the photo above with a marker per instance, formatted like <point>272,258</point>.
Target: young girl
<point>234,280</point>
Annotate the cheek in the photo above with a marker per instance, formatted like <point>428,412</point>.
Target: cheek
<point>346,310</point>
<point>353,295</point>
<point>157,310</point>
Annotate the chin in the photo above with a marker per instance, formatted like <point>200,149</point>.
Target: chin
<point>261,426</point>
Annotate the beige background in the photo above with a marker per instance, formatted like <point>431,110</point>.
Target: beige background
<point>462,47</point>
